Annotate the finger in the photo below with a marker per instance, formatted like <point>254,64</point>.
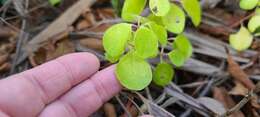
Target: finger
<point>85,98</point>
<point>27,93</point>
<point>147,116</point>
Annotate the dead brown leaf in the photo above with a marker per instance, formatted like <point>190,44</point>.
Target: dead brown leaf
<point>5,67</point>
<point>50,51</point>
<point>109,110</point>
<point>3,58</point>
<point>238,74</point>
<point>222,96</point>
<point>239,89</point>
<point>92,43</point>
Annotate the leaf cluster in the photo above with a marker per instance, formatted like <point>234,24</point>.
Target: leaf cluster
<point>243,39</point>
<point>140,38</point>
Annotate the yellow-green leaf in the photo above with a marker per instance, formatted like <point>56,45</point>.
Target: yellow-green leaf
<point>157,19</point>
<point>248,4</point>
<point>257,11</point>
<point>146,43</point>
<point>54,2</point>
<point>163,74</point>
<point>132,9</point>
<point>193,9</point>
<point>241,40</point>
<point>160,32</point>
<point>177,57</point>
<point>159,7</point>
<point>115,40</point>
<point>174,20</point>
<point>133,72</point>
<point>254,23</point>
<point>183,44</point>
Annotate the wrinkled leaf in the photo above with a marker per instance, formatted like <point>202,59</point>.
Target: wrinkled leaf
<point>183,44</point>
<point>241,40</point>
<point>163,74</point>
<point>146,43</point>
<point>54,2</point>
<point>133,72</point>
<point>193,9</point>
<point>254,23</point>
<point>248,4</point>
<point>132,9</point>
<point>175,19</point>
<point>115,40</point>
<point>159,7</point>
<point>160,32</point>
<point>177,57</point>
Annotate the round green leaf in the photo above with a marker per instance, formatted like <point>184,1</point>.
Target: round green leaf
<point>183,44</point>
<point>156,19</point>
<point>146,43</point>
<point>133,72</point>
<point>163,74</point>
<point>257,11</point>
<point>174,20</point>
<point>159,7</point>
<point>241,40</point>
<point>54,2</point>
<point>193,8</point>
<point>132,9</point>
<point>115,40</point>
<point>248,4</point>
<point>177,57</point>
<point>254,23</point>
<point>160,32</point>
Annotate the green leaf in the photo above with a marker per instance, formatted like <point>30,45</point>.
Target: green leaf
<point>115,40</point>
<point>248,4</point>
<point>183,44</point>
<point>157,19</point>
<point>146,43</point>
<point>132,9</point>
<point>117,5</point>
<point>257,11</point>
<point>254,23</point>
<point>160,32</point>
<point>241,40</point>
<point>163,74</point>
<point>175,19</point>
<point>54,2</point>
<point>159,7</point>
<point>177,57</point>
<point>3,1</point>
<point>193,8</point>
<point>133,72</point>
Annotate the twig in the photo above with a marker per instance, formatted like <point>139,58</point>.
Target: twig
<point>239,105</point>
<point>123,106</point>
<point>59,25</point>
<point>246,99</point>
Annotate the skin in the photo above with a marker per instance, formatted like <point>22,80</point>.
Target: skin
<point>70,86</point>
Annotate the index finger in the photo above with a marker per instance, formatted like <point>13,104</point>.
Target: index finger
<point>27,93</point>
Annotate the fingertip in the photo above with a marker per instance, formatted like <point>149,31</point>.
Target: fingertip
<point>107,83</point>
<point>80,64</point>
<point>82,57</point>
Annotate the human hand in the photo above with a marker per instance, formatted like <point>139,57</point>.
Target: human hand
<point>70,86</point>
